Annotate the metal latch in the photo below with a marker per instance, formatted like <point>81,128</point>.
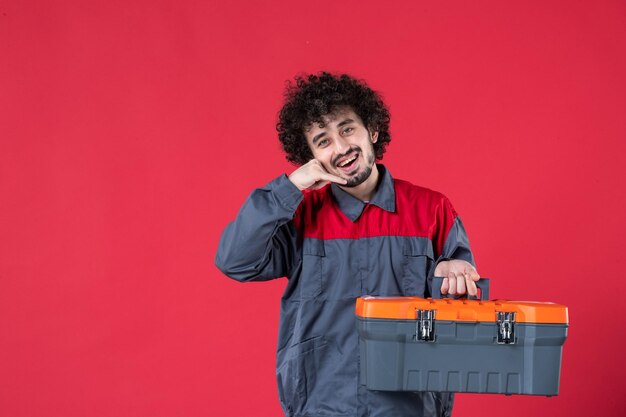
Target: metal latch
<point>506,327</point>
<point>425,327</point>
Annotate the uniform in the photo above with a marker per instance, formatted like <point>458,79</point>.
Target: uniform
<point>333,248</point>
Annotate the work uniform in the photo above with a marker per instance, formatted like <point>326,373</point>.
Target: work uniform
<point>333,248</point>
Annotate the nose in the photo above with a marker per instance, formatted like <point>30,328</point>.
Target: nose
<point>341,145</point>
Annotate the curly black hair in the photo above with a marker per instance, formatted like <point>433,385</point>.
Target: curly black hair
<point>311,97</point>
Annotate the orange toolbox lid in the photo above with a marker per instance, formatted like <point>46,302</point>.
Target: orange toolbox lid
<point>404,308</point>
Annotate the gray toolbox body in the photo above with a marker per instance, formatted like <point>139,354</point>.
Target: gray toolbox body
<point>517,351</point>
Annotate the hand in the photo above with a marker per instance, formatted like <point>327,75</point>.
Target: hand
<point>312,175</point>
<point>458,276</point>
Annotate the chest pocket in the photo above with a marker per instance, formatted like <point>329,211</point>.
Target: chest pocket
<point>418,263</point>
<point>312,268</point>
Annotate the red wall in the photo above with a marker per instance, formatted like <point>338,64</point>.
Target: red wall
<point>131,132</point>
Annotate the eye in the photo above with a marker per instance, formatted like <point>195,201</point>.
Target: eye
<point>348,130</point>
<point>322,143</point>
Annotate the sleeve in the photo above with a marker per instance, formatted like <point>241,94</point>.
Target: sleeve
<point>260,244</point>
<point>451,239</point>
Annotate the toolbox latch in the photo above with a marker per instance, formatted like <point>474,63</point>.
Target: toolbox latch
<point>425,327</point>
<point>506,327</point>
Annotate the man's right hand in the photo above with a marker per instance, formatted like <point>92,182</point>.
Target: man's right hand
<point>312,175</point>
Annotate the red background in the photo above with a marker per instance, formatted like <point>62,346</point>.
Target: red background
<point>131,132</point>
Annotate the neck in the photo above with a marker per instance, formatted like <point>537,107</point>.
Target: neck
<point>365,190</point>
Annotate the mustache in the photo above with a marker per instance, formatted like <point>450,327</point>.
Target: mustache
<point>352,150</point>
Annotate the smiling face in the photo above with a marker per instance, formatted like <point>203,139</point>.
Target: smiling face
<point>343,145</point>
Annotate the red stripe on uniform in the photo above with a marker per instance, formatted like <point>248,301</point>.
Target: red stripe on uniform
<point>420,212</point>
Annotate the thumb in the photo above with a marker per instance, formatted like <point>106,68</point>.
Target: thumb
<point>442,269</point>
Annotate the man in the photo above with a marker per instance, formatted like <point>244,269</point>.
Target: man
<point>340,227</point>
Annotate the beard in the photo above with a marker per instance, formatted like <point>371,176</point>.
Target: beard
<point>363,175</point>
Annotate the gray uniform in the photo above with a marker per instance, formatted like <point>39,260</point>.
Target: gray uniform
<point>334,248</point>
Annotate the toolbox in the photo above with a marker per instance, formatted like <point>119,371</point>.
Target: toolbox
<point>461,345</point>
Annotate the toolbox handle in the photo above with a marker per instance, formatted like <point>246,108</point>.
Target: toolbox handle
<point>482,284</point>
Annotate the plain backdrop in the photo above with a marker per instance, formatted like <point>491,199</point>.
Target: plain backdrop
<point>132,131</point>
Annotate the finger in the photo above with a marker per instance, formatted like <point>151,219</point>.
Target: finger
<point>318,185</point>
<point>460,284</point>
<point>332,178</point>
<point>470,284</point>
<point>314,162</point>
<point>325,175</point>
<point>445,286</point>
<point>474,274</point>
<point>452,283</point>
<point>317,166</point>
<point>441,269</point>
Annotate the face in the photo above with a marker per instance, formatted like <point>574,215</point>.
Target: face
<point>344,146</point>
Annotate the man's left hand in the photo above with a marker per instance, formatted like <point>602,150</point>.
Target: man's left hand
<point>459,277</point>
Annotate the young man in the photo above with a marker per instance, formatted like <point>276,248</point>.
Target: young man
<point>340,227</point>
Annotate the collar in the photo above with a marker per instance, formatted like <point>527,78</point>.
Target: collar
<point>384,196</point>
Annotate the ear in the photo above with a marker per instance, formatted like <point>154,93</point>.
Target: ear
<point>374,136</point>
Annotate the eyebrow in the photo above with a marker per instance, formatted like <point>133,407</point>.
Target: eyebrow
<point>345,122</point>
<point>339,125</point>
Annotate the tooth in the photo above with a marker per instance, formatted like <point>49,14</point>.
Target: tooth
<point>344,163</point>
